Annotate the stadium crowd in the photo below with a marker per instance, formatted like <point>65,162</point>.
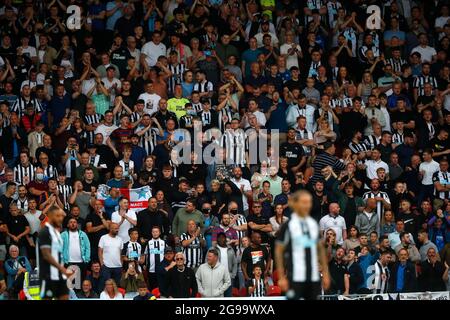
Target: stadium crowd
<point>360,117</point>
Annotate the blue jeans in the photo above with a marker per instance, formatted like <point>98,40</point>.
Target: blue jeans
<point>112,273</point>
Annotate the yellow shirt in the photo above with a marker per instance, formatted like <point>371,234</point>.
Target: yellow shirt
<point>177,106</point>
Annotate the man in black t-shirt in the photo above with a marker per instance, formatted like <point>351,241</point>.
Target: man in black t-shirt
<point>18,228</point>
<point>255,254</point>
<point>7,198</point>
<point>292,150</point>
<point>52,273</point>
<point>96,227</point>
<point>258,223</point>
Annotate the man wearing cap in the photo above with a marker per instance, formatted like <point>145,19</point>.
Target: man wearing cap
<point>163,268</point>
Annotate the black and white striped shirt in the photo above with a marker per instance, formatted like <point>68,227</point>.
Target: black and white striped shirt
<point>313,68</point>
<point>193,252</point>
<point>259,287</point>
<point>357,147</point>
<point>135,116</point>
<point>300,237</point>
<point>71,163</point>
<point>380,205</point>
<point>148,140</point>
<point>420,81</point>
<point>19,106</point>
<point>50,171</point>
<point>205,86</point>
<point>154,253</point>
<point>50,238</point>
<point>177,76</point>
<point>398,138</point>
<point>65,191</point>
<point>234,143</point>
<point>132,250</point>
<point>225,115</point>
<point>304,135</point>
<point>444,179</point>
<point>396,64</point>
<point>20,172</point>
<point>89,120</point>
<point>197,107</point>
<point>372,141</point>
<point>381,279</point>
<point>22,204</point>
<point>240,220</point>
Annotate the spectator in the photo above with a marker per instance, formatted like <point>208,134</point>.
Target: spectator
<point>111,291</point>
<point>255,254</point>
<point>86,291</point>
<point>109,250</point>
<point>431,277</point>
<point>181,281</point>
<point>96,278</point>
<point>227,258</point>
<point>413,253</point>
<point>403,274</point>
<point>426,244</point>
<point>131,278</point>
<point>215,281</point>
<point>76,247</point>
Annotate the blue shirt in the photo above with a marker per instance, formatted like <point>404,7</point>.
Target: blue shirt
<point>58,107</point>
<point>277,118</point>
<point>111,205</point>
<point>137,155</point>
<point>250,56</point>
<point>400,278</point>
<point>95,9</point>
<point>111,21</point>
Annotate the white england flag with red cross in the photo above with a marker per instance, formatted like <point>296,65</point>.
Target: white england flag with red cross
<point>138,197</point>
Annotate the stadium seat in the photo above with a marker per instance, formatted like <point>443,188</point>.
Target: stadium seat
<point>198,295</point>
<point>22,295</point>
<point>275,277</point>
<point>122,291</point>
<point>243,292</point>
<point>156,293</point>
<point>235,292</point>
<point>274,291</point>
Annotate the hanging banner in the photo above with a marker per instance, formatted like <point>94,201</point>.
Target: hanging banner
<point>138,197</point>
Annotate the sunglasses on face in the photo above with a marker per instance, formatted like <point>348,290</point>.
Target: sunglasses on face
<point>179,259</point>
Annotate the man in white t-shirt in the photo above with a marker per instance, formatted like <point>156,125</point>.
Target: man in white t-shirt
<point>291,51</point>
<point>109,253</point>
<point>426,170</point>
<point>125,218</point>
<point>76,247</point>
<point>427,53</point>
<point>27,50</point>
<point>152,50</point>
<point>375,163</point>
<point>245,187</point>
<point>334,221</point>
<point>107,127</point>
<point>112,84</point>
<point>150,98</point>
